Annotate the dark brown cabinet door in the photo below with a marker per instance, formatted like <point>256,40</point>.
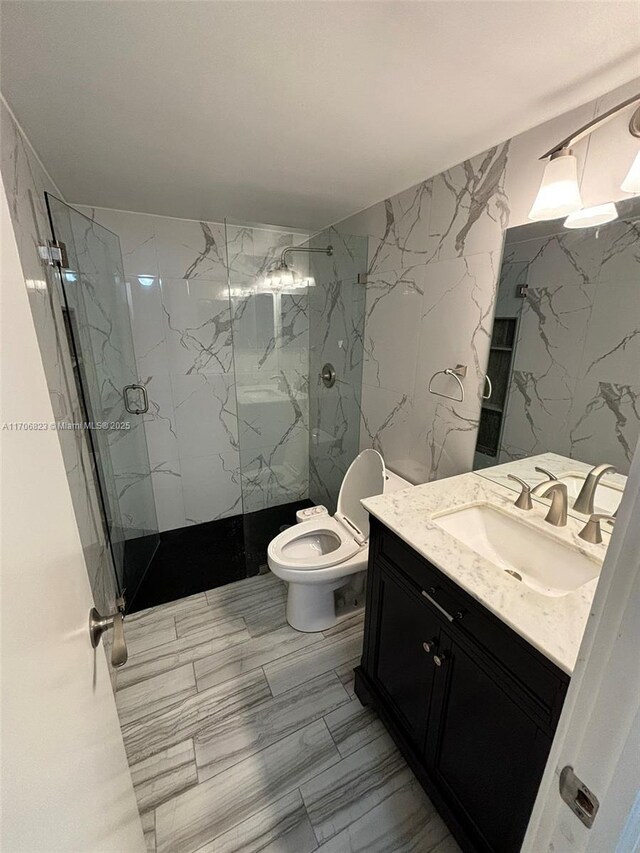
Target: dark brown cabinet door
<point>484,750</point>
<point>406,638</point>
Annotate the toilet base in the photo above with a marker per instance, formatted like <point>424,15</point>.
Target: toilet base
<point>311,606</point>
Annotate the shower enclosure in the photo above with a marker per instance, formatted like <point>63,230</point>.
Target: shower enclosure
<point>96,314</point>
<point>208,377</point>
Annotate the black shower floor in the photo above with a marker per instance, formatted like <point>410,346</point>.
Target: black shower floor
<point>204,556</point>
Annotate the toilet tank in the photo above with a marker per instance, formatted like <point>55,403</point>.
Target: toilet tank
<point>394,483</point>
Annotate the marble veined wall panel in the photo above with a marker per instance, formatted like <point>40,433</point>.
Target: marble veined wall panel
<point>434,253</point>
<point>576,369</point>
<point>225,367</point>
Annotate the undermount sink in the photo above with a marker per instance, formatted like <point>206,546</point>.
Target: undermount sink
<point>543,562</point>
<point>607,495</point>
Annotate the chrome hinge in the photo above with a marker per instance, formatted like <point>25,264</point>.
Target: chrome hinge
<point>363,278</point>
<point>522,291</point>
<point>54,253</point>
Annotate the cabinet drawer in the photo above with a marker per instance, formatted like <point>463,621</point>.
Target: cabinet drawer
<point>544,685</point>
<point>421,573</point>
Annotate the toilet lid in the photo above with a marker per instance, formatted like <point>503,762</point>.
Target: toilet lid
<point>364,479</point>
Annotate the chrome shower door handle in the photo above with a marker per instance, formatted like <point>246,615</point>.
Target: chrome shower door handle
<point>99,624</point>
<point>487,381</point>
<point>145,399</point>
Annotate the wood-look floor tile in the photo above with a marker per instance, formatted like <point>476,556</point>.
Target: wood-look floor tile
<point>247,595</point>
<point>172,608</point>
<point>353,726</point>
<point>201,620</point>
<point>447,845</point>
<point>403,822</point>
<point>349,789</point>
<point>148,634</point>
<point>151,697</point>
<point>211,639</point>
<point>267,618</point>
<point>244,656</point>
<point>185,719</point>
<point>346,624</point>
<point>346,675</point>
<point>201,814</point>
<point>280,827</point>
<point>163,775</point>
<point>148,821</point>
<point>229,740</point>
<point>330,653</point>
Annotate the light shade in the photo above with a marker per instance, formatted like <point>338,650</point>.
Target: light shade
<point>559,193</point>
<point>631,183</point>
<point>589,217</point>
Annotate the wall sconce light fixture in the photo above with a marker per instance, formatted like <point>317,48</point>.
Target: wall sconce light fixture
<point>559,192</point>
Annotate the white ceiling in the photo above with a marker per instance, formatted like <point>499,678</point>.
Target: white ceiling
<point>292,113</point>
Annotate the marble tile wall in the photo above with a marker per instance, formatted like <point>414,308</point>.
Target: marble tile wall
<point>577,352</point>
<point>25,183</point>
<point>271,359</point>
<point>225,368</point>
<point>434,257</point>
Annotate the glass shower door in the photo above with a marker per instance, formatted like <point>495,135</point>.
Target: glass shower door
<point>337,305</point>
<point>98,323</point>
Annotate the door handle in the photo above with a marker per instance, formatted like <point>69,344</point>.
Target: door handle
<point>436,605</point>
<point>145,399</point>
<point>99,624</point>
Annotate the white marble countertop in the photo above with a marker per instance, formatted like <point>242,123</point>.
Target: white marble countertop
<point>555,625</point>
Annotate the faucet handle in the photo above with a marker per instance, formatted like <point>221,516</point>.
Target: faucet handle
<point>546,473</point>
<point>523,501</point>
<point>592,532</point>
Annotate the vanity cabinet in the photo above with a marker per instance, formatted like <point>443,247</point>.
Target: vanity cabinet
<point>471,705</point>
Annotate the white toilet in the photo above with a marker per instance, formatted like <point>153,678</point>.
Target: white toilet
<point>319,556</point>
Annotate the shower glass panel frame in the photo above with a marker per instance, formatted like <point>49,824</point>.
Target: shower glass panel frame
<point>96,308</point>
<point>296,437</point>
<point>337,306</point>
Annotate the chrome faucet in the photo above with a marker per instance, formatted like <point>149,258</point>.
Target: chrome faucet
<point>551,478</point>
<point>584,501</point>
<point>557,514</point>
<point>592,532</point>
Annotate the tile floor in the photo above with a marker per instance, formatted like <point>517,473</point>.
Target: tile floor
<point>245,735</point>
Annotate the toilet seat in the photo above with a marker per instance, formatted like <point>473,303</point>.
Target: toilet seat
<point>302,546</point>
<point>330,541</point>
<point>364,478</point>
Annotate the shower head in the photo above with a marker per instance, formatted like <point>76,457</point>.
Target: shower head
<point>281,275</point>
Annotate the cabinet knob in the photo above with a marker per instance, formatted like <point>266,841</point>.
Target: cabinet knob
<point>431,644</point>
<point>439,659</point>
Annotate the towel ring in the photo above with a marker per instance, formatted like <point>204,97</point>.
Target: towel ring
<point>456,372</point>
<point>488,385</point>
